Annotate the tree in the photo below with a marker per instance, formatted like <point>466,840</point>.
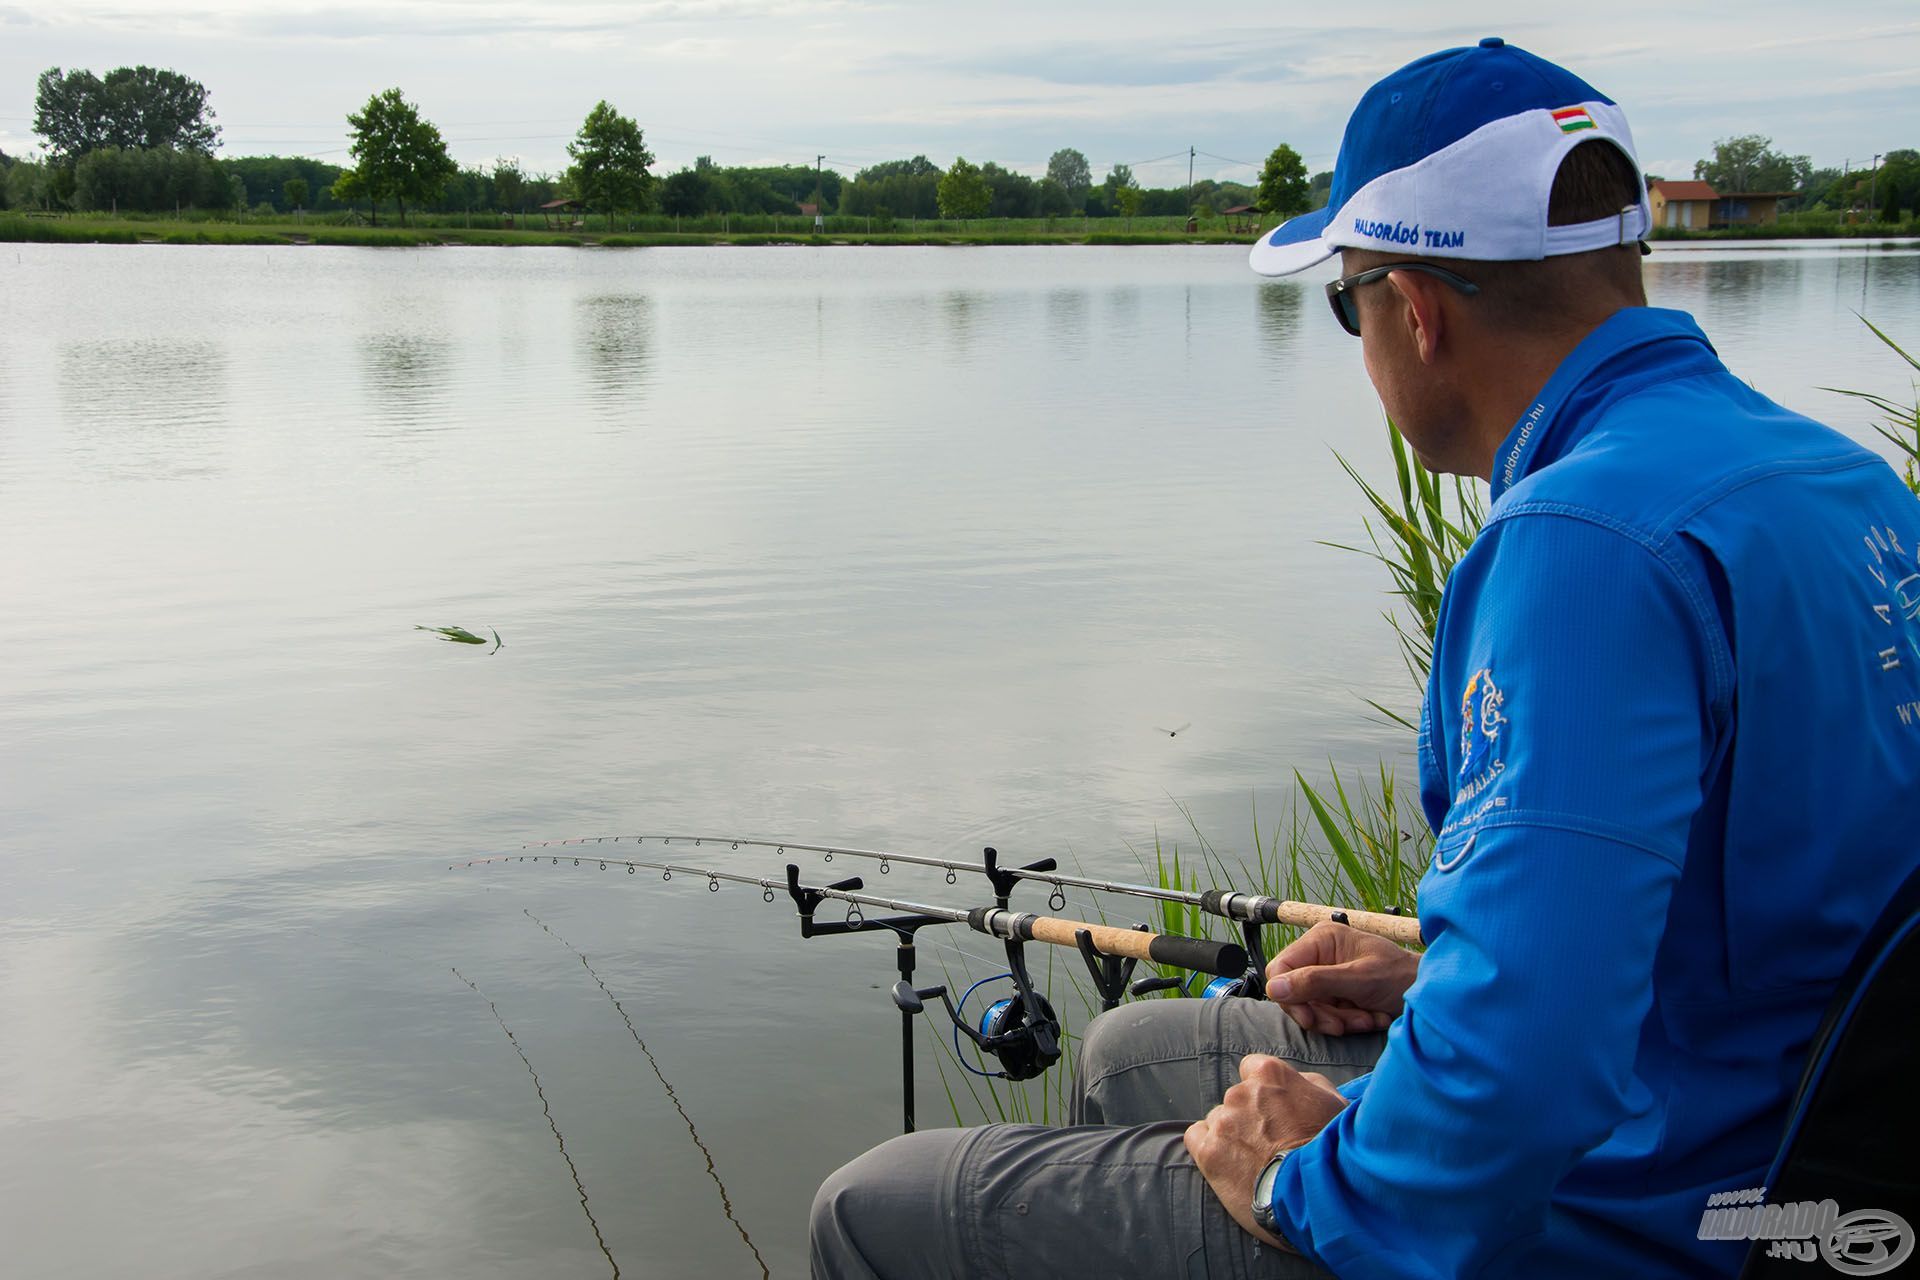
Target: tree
<point>908,188</point>
<point>397,155</point>
<point>1129,200</point>
<point>27,185</point>
<point>509,185</point>
<point>1053,198</point>
<point>1320,190</point>
<point>1069,168</point>
<point>1749,163</point>
<point>150,178</point>
<point>1118,177</point>
<point>1284,188</point>
<point>295,191</point>
<point>610,161</point>
<point>350,188</point>
<point>685,194</point>
<point>1014,194</point>
<point>964,192</point>
<point>133,107</point>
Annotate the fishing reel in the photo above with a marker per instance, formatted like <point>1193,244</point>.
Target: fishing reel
<point>1021,1031</point>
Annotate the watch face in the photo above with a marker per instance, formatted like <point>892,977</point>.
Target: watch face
<point>1263,1185</point>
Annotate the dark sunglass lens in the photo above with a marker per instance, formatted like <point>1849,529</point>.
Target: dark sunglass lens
<point>1349,313</point>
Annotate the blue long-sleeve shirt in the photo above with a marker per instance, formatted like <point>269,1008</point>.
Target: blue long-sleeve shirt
<point>1671,755</point>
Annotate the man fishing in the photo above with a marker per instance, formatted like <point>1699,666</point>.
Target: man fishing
<point>1670,752</point>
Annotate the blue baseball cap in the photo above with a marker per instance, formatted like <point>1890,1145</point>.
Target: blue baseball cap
<point>1453,156</point>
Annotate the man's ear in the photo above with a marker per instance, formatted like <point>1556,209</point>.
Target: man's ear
<point>1421,311</point>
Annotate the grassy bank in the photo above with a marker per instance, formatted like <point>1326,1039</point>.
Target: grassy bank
<point>652,230</point>
<point>1798,226</point>
<point>96,229</point>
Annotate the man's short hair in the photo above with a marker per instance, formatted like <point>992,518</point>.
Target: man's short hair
<point>1596,180</point>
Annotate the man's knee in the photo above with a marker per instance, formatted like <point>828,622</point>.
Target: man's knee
<point>870,1217</point>
<point>1143,1031</point>
<point>1173,1059</point>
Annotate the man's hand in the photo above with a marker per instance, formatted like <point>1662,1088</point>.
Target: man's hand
<point>1334,979</point>
<point>1274,1108</point>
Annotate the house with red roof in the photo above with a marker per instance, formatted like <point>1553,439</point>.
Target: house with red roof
<point>1698,205</point>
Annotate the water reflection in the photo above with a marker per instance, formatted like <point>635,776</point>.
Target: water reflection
<point>149,408</point>
<point>961,309</point>
<point>1067,320</point>
<point>1730,289</point>
<point>409,376</point>
<point>616,333</point>
<point>1279,302</point>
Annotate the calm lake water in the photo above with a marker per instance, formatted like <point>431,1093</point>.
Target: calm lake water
<point>905,548</point>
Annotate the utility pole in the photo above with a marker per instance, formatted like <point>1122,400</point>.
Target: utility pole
<point>1873,190</point>
<point>819,218</point>
<point>1189,177</point>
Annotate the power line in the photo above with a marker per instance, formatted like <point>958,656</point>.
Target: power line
<point>1141,164</point>
<point>1230,160</point>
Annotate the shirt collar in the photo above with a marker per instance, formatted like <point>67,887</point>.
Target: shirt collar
<point>1567,406</point>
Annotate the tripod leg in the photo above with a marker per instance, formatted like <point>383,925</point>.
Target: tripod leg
<point>904,955</point>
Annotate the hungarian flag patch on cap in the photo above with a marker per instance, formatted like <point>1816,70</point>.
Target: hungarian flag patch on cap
<point>1572,119</point>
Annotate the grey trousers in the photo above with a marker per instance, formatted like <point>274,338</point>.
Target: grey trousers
<point>1113,1194</point>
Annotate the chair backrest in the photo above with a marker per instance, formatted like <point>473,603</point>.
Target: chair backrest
<point>1853,1131</point>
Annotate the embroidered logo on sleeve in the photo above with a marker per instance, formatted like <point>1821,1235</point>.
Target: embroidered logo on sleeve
<point>1482,719</point>
<point>1895,596</point>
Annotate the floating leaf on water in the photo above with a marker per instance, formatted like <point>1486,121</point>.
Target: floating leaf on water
<point>460,635</point>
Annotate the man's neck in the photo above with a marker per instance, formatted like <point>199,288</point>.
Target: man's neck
<point>1505,380</point>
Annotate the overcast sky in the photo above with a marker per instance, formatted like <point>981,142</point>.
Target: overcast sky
<point>781,81</point>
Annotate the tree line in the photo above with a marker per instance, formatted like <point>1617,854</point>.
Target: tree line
<point>143,140</point>
<point>1750,162</point>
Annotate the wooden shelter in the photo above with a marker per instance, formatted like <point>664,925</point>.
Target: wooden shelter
<point>566,210</point>
<point>1242,219</point>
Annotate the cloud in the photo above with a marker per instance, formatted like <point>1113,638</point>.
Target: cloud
<point>1859,35</point>
<point>1222,59</point>
<point>426,18</point>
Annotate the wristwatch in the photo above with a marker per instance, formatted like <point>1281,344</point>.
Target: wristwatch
<point>1263,1195</point>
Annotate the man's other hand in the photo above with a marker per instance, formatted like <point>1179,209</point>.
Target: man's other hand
<point>1274,1108</point>
<point>1335,980</point>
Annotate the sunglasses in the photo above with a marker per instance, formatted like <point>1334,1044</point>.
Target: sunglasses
<point>1347,312</point>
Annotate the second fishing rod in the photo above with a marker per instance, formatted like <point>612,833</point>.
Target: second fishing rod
<point>1021,1032</point>
<point>1250,911</point>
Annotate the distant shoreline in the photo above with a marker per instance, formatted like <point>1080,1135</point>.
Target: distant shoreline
<point>60,229</point>
<point>41,228</point>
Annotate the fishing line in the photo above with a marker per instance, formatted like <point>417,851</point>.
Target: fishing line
<point>960,1057</point>
<point>726,1201</point>
<point>540,1089</point>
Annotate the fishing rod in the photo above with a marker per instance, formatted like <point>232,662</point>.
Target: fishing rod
<point>1022,1032</point>
<point>1199,954</point>
<point>1251,911</point>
